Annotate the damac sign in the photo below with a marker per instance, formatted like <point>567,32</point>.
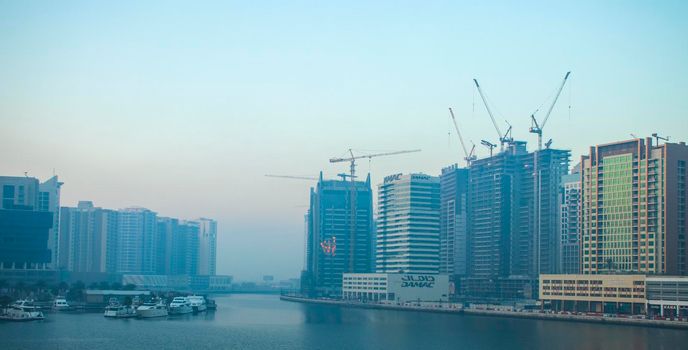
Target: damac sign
<point>418,281</point>
<point>391,178</point>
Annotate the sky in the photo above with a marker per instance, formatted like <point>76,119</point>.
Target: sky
<point>183,107</point>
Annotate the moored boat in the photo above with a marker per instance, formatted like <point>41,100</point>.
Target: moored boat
<point>211,305</point>
<point>154,308</point>
<point>22,310</point>
<point>60,304</point>
<point>197,303</point>
<point>180,306</point>
<point>117,310</point>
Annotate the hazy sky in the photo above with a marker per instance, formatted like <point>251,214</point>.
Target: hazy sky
<point>182,108</point>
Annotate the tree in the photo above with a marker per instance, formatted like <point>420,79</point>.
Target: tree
<point>40,285</point>
<point>78,285</point>
<point>5,300</point>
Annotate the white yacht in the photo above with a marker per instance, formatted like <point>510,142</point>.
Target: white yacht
<point>197,303</point>
<point>179,306</point>
<point>117,310</point>
<point>60,304</point>
<point>22,310</point>
<point>154,308</point>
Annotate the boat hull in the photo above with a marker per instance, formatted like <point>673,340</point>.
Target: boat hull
<point>151,313</point>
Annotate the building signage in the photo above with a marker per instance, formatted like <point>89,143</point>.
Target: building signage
<point>391,178</point>
<point>417,281</point>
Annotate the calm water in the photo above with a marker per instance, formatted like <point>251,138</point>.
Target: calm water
<point>265,322</point>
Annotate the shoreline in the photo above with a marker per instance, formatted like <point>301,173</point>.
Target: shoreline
<point>493,313</point>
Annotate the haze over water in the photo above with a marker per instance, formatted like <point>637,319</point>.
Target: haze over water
<point>182,107</point>
<point>264,322</point>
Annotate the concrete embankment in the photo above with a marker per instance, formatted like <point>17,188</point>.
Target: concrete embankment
<point>493,313</point>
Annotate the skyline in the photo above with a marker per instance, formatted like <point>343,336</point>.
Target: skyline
<point>186,120</point>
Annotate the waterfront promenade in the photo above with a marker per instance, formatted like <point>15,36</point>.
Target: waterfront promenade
<point>458,310</point>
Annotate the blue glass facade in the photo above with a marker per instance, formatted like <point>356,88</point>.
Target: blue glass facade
<point>332,246</point>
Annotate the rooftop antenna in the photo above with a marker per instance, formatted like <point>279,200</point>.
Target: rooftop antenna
<point>633,136</point>
<point>26,174</point>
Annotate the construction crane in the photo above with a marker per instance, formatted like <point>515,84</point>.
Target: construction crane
<point>352,194</point>
<point>469,156</point>
<point>657,138</point>
<point>536,128</point>
<point>488,144</point>
<point>293,177</point>
<point>313,178</point>
<point>503,138</point>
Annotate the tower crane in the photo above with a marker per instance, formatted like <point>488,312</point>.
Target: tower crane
<point>488,144</point>
<point>657,138</point>
<point>469,156</point>
<point>293,177</point>
<point>536,128</point>
<point>503,138</point>
<point>352,194</point>
<point>314,178</point>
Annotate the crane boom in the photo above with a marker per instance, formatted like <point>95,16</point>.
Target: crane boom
<point>458,132</point>
<point>293,177</point>
<point>494,122</point>
<point>338,160</point>
<point>556,97</point>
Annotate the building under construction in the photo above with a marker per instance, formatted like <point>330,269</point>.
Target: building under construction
<point>333,247</point>
<point>513,221</point>
<point>454,209</point>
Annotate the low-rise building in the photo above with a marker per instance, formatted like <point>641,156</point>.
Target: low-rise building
<point>93,296</point>
<point>395,287</point>
<point>667,296</point>
<point>617,294</point>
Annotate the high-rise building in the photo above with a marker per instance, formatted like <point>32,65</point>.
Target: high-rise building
<point>88,239</point>
<point>542,171</point>
<point>188,243</point>
<point>513,221</point>
<point>49,200</point>
<point>454,203</point>
<point>633,208</point>
<point>408,224</point>
<point>207,249</point>
<point>137,241</point>
<point>24,232</point>
<point>515,204</point>
<point>570,223</point>
<point>19,193</point>
<point>336,243</point>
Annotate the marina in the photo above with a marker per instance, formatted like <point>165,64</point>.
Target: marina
<point>249,321</point>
